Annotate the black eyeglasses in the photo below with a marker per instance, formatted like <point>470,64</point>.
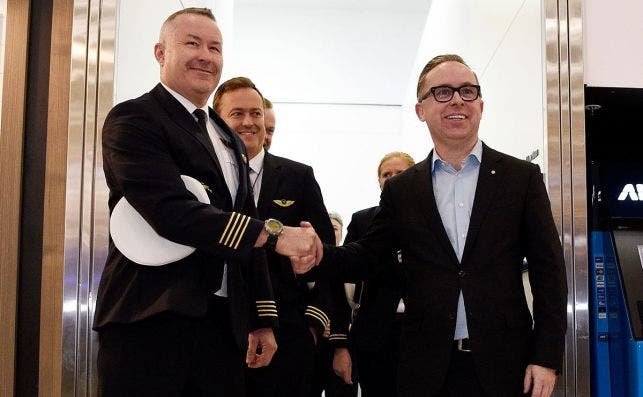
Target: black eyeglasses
<point>444,93</point>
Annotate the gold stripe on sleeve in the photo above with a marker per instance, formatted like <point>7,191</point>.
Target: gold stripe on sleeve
<point>233,231</point>
<point>313,309</point>
<point>245,223</point>
<point>317,317</point>
<point>225,231</point>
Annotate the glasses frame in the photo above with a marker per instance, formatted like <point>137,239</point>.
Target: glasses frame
<point>431,91</point>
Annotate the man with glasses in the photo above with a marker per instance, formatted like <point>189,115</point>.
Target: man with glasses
<point>464,219</point>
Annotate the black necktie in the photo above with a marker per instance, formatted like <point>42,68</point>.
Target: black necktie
<point>201,120</point>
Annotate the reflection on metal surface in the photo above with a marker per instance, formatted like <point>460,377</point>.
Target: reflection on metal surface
<point>86,233</point>
<point>566,177</point>
<point>579,198</point>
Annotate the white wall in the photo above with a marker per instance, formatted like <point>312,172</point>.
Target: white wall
<point>337,75</point>
<point>612,52</point>
<point>138,24</point>
<point>502,42</point>
<point>342,75</point>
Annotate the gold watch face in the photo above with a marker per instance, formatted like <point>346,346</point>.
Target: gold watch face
<point>274,227</point>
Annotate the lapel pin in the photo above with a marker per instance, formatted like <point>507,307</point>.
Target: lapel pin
<point>493,172</point>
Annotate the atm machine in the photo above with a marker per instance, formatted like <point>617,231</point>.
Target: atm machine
<point>614,131</point>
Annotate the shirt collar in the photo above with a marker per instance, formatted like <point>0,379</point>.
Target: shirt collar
<point>476,153</point>
<point>184,101</point>
<point>256,163</point>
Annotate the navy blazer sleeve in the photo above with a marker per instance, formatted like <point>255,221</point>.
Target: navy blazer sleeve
<point>147,144</point>
<point>139,165</point>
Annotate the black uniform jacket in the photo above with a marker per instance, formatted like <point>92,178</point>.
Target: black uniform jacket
<point>379,296</point>
<point>148,142</point>
<point>291,194</point>
<point>511,219</point>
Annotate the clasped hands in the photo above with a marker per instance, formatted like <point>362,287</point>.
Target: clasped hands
<point>302,246</point>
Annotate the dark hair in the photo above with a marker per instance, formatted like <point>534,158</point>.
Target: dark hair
<point>433,63</point>
<point>235,83</point>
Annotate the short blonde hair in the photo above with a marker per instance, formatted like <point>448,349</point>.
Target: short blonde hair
<point>404,156</point>
<point>335,216</point>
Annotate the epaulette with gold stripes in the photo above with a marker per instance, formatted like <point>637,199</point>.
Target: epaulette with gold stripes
<point>318,314</point>
<point>266,309</point>
<point>234,230</point>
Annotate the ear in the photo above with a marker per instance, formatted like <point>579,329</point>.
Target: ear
<point>419,111</point>
<point>159,53</point>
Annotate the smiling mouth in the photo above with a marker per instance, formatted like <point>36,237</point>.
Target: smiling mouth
<point>456,117</point>
<point>202,70</point>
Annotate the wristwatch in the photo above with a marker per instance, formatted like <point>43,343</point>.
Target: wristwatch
<point>274,229</point>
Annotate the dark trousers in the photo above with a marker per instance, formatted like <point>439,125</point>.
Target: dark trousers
<point>172,355</point>
<point>378,368</point>
<point>461,379</point>
<point>325,379</point>
<point>290,372</point>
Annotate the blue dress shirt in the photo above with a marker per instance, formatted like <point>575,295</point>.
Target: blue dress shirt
<point>454,193</point>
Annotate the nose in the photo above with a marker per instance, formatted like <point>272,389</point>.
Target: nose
<point>457,99</point>
<point>204,53</point>
<point>247,120</point>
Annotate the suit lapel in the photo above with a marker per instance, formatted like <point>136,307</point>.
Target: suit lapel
<point>186,121</point>
<point>269,182</point>
<point>492,171</point>
<point>428,206</point>
<point>231,139</point>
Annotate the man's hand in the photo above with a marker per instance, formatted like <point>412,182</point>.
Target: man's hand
<point>342,365</point>
<point>261,347</point>
<point>302,245</point>
<point>540,380</point>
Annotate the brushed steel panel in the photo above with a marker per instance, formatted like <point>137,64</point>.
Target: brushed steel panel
<point>579,198</point>
<point>553,151</point>
<point>86,216</point>
<point>566,178</point>
<point>86,230</point>
<point>74,198</point>
<point>100,235</point>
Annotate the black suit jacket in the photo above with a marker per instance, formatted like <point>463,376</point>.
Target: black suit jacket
<point>379,296</point>
<point>511,219</point>
<point>148,142</point>
<point>289,192</point>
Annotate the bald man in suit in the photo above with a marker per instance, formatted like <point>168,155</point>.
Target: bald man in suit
<point>189,327</point>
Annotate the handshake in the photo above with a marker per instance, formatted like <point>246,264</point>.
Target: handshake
<point>301,244</point>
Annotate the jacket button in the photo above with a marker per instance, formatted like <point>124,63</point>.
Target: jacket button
<point>462,273</point>
<point>451,316</point>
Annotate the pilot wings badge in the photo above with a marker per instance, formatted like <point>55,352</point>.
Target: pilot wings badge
<point>283,202</point>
